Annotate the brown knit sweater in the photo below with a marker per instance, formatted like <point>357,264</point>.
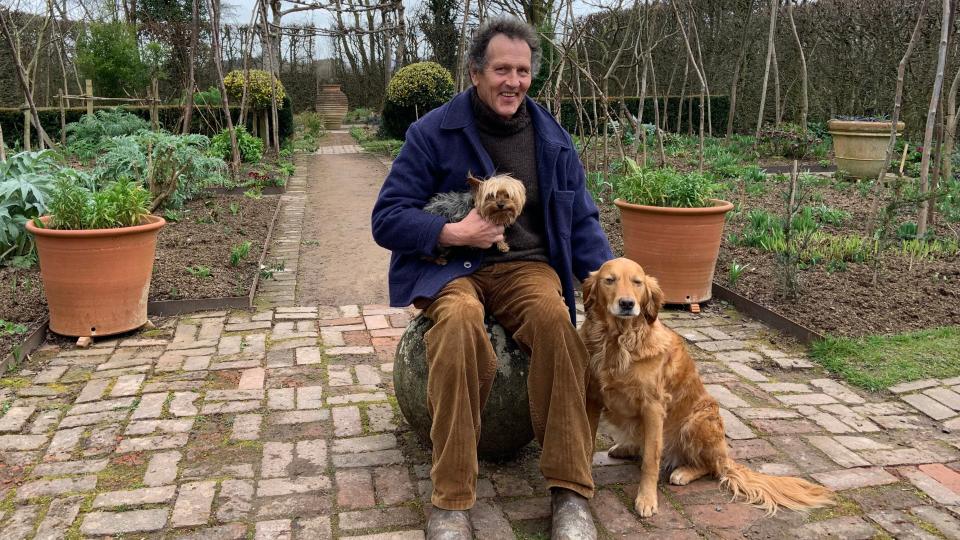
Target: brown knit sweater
<point>512,148</point>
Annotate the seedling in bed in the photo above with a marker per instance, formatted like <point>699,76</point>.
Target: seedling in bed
<point>234,208</point>
<point>8,328</point>
<point>736,272</point>
<point>238,253</point>
<point>199,271</point>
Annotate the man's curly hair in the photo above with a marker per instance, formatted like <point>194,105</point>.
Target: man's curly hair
<point>511,27</point>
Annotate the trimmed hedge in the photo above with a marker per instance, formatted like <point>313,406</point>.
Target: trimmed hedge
<point>720,108</point>
<point>12,119</point>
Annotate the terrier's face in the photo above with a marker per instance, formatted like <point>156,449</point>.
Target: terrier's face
<point>498,199</point>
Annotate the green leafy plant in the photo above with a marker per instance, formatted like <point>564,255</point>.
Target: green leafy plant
<point>108,53</point>
<point>210,96</point>
<point>735,272</point>
<point>907,230</point>
<point>199,271</point>
<point>253,193</point>
<point>87,137</point>
<point>664,187</point>
<point>831,216</point>
<point>172,215</point>
<point>8,328</point>
<point>234,209</point>
<point>239,252</point>
<point>174,168</point>
<point>122,203</point>
<point>26,182</point>
<point>267,270</point>
<point>251,148</point>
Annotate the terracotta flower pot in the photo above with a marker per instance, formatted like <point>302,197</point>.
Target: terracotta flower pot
<point>678,246</point>
<point>860,147</point>
<point>332,105</point>
<point>97,281</point>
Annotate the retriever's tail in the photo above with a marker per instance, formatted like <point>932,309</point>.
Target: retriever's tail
<point>771,492</point>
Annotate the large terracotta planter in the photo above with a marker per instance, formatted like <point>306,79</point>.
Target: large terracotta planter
<point>332,105</point>
<point>860,147</point>
<point>97,281</point>
<point>678,246</point>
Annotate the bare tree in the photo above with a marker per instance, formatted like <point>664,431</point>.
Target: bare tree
<point>931,121</point>
<point>895,118</point>
<point>774,8</point>
<point>805,102</point>
<point>215,51</point>
<point>950,128</point>
<point>194,43</point>
<point>22,74</point>
<point>736,69</point>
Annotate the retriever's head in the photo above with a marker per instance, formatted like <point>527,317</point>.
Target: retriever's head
<point>621,289</point>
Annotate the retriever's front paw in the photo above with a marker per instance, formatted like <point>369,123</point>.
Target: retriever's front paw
<point>646,504</point>
<point>623,451</point>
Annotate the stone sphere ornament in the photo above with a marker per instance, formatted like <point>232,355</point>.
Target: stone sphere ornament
<point>505,425</point>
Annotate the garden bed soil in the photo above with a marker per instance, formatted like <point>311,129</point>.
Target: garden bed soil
<point>202,237</point>
<point>908,296</point>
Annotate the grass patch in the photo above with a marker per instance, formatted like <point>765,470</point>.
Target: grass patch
<point>877,362</point>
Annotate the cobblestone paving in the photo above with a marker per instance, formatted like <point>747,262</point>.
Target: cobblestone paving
<point>282,424</point>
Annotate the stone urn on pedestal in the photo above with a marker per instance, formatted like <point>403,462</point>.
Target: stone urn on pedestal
<point>505,425</point>
<point>860,146</point>
<point>331,105</point>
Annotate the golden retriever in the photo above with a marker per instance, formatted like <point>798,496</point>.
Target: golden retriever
<point>653,397</point>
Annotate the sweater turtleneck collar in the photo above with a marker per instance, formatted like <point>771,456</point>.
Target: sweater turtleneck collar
<point>492,123</point>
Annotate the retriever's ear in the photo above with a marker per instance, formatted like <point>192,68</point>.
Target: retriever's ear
<point>588,285</point>
<point>473,182</point>
<point>654,299</point>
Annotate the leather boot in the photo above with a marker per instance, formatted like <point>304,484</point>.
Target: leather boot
<point>449,525</point>
<point>571,516</point>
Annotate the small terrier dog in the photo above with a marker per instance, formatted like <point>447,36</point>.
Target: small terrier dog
<point>498,199</point>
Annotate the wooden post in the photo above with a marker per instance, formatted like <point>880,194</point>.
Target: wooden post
<point>26,130</point>
<point>154,112</point>
<point>63,121</point>
<point>89,96</point>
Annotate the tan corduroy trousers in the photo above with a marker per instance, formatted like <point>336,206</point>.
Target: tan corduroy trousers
<point>525,298</point>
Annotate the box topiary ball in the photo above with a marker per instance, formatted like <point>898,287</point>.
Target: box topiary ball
<point>414,91</point>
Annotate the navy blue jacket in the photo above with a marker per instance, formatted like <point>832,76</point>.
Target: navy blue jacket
<point>441,148</point>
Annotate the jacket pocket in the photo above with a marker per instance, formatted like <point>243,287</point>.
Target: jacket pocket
<point>563,212</point>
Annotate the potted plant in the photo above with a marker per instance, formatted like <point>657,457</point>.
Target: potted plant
<point>860,143</point>
<point>672,228</point>
<point>96,251</point>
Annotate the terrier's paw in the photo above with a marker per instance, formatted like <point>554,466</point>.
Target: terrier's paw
<point>646,504</point>
<point>622,451</point>
<point>503,246</point>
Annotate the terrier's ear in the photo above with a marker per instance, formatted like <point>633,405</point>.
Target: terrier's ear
<point>473,182</point>
<point>654,299</point>
<point>588,285</point>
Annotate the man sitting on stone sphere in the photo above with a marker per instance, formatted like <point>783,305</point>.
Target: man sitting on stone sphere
<point>493,128</point>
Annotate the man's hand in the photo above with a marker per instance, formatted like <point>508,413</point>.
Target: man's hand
<point>473,231</point>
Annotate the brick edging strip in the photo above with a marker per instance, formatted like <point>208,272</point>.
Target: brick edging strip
<point>266,247</point>
<point>743,304</point>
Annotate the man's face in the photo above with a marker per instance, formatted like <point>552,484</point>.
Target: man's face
<point>506,78</point>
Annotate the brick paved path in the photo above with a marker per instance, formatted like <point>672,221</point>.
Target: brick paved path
<point>281,424</point>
